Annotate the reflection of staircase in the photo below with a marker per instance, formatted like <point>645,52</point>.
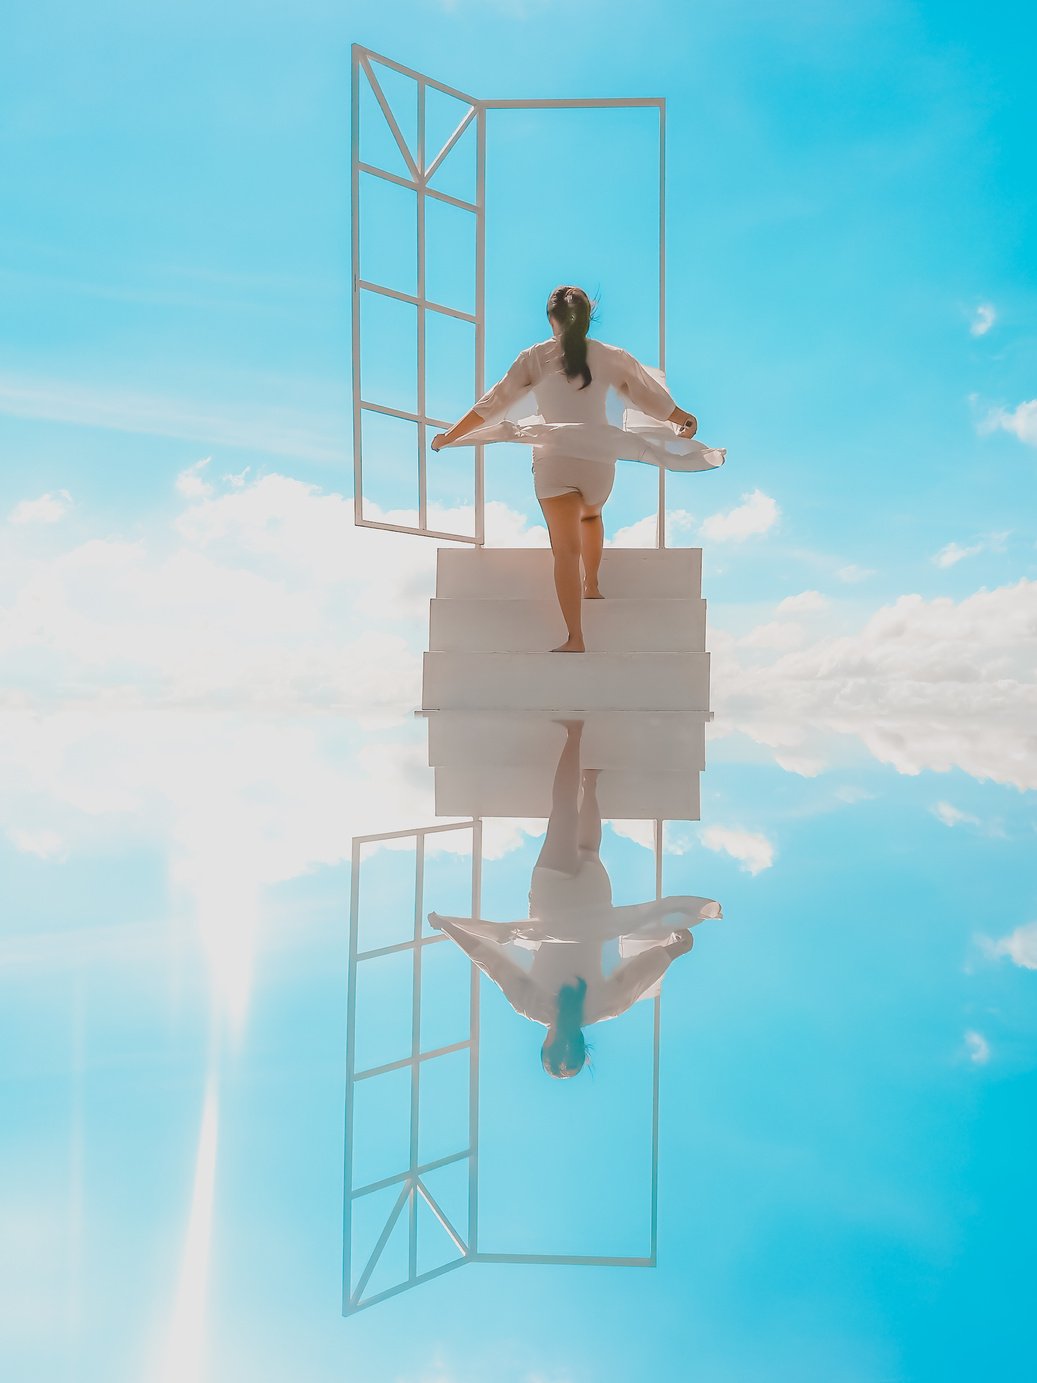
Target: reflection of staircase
<point>502,764</point>
<point>494,616</point>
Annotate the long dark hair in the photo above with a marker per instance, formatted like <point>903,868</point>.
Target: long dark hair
<point>564,1051</point>
<point>573,310</point>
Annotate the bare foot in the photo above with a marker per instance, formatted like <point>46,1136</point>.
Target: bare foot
<point>570,646</point>
<point>594,594</point>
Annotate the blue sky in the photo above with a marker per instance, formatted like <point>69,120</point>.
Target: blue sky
<point>208,674</point>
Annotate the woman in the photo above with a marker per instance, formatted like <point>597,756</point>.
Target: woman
<point>572,918</point>
<point>570,374</point>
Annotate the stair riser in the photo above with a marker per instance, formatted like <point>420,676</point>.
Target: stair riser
<point>534,626</point>
<point>527,573</point>
<point>621,796</point>
<point>562,681</point>
<point>640,741</point>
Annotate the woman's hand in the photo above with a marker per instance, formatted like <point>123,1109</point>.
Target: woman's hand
<point>437,441</point>
<point>685,423</point>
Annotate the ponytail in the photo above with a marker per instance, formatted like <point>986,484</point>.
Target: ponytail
<point>572,310</point>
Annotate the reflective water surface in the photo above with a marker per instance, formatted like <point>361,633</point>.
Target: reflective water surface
<point>475,1047</point>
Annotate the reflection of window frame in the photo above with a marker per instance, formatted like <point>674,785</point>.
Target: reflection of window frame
<point>412,1190</point>
<point>363,70</point>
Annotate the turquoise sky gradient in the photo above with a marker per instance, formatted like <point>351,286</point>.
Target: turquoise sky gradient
<point>206,678</point>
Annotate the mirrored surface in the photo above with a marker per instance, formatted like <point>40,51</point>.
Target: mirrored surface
<point>239,1058</point>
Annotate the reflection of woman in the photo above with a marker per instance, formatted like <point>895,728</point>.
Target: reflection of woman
<point>571,919</point>
<point>570,375</point>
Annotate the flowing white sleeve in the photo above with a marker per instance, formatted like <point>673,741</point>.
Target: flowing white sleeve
<point>629,981</point>
<point>518,380</point>
<point>645,392</point>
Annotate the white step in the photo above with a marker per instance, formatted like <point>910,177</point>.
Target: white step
<point>566,681</point>
<point>634,624</point>
<point>516,573</point>
<point>526,792</point>
<point>651,741</point>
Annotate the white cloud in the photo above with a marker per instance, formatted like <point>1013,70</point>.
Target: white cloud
<point>191,483</point>
<point>264,594</point>
<point>851,794</point>
<point>852,574</point>
<point>803,765</point>
<point>978,1047</point>
<point>757,513</point>
<point>777,634</point>
<point>1020,946</point>
<point>953,553</point>
<point>951,816</point>
<point>236,801</point>
<point>753,851</point>
<point>642,533</point>
<point>923,684</point>
<point>805,603</point>
<point>1021,421</point>
<point>984,318</point>
<point>43,844</point>
<point>640,832</point>
<point>49,508</point>
<point>782,632</point>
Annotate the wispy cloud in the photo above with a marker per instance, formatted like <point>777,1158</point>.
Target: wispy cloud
<point>851,574</point>
<point>950,555</point>
<point>1019,946</point>
<point>953,553</point>
<point>49,508</point>
<point>977,1047</point>
<point>258,427</point>
<point>951,816</point>
<point>753,851</point>
<point>757,513</point>
<point>983,319</point>
<point>1021,421</point>
<point>192,484</point>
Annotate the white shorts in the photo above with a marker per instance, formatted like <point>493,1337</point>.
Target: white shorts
<point>565,475</point>
<point>552,892</point>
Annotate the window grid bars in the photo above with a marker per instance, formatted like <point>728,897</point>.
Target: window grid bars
<point>412,1185</point>
<point>410,1181</point>
<point>420,175</point>
<point>362,60</point>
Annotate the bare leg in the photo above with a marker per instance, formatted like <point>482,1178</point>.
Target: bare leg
<point>559,850</point>
<point>590,813</point>
<point>563,524</point>
<point>592,540</point>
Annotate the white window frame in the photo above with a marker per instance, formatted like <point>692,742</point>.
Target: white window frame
<point>411,1187</point>
<point>418,182</point>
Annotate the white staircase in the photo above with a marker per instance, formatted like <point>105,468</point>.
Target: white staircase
<point>502,763</point>
<point>494,617</point>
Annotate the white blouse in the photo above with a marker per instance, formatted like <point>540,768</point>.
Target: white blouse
<point>572,420</point>
<point>560,400</point>
<point>568,945</point>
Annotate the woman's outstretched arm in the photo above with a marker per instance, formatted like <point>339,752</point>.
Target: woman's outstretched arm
<point>468,423</point>
<point>494,403</point>
<point>644,390</point>
<point>636,975</point>
<point>520,991</point>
